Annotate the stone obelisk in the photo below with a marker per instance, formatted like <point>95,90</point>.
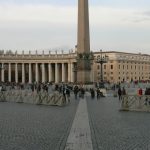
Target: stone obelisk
<point>83,43</point>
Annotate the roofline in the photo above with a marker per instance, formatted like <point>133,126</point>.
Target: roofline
<point>121,53</point>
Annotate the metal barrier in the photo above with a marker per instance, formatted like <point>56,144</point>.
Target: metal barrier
<point>41,98</point>
<point>135,103</point>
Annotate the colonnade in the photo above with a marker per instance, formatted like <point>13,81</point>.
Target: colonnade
<point>37,72</point>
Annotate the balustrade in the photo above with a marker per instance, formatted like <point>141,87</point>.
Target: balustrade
<point>135,103</point>
<point>41,98</point>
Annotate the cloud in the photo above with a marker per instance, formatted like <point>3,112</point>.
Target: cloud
<point>146,13</point>
<point>68,15</point>
<point>142,17</point>
<point>33,13</point>
<point>108,16</point>
<point>50,26</point>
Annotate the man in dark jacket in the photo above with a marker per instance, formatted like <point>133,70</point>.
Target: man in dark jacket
<point>119,93</point>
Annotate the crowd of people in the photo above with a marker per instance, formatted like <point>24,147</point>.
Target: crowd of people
<point>66,89</point>
<point>63,88</point>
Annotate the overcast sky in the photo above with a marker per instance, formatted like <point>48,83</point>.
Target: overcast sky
<point>115,25</point>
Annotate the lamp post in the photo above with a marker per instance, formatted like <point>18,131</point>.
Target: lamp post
<point>101,59</point>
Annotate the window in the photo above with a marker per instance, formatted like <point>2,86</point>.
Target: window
<point>104,66</point>
<point>111,66</point>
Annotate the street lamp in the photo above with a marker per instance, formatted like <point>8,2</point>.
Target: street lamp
<point>101,59</point>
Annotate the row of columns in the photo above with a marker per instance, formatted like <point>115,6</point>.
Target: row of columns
<point>65,70</point>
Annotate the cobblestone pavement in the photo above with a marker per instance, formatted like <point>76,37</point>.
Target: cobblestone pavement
<point>117,130</point>
<point>35,127</point>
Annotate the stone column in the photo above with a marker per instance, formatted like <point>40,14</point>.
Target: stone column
<point>36,72</point>
<point>2,73</point>
<point>43,72</point>
<point>49,72</point>
<point>30,73</point>
<point>72,73</point>
<point>69,72</point>
<point>9,72</point>
<point>56,73</point>
<point>23,73</point>
<point>16,73</point>
<point>63,72</point>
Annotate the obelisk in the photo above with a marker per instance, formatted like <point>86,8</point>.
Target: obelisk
<point>83,43</point>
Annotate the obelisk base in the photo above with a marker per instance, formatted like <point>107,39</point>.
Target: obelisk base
<point>83,71</point>
<point>84,77</point>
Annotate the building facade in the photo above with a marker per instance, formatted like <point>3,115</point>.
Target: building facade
<point>124,67</point>
<point>29,68</point>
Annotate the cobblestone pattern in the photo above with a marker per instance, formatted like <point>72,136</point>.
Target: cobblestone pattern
<point>117,130</point>
<point>32,127</point>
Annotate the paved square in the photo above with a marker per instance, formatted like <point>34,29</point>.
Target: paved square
<point>38,127</point>
<point>115,130</point>
<point>35,127</point>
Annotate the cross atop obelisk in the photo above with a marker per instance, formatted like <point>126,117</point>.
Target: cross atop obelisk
<point>83,44</point>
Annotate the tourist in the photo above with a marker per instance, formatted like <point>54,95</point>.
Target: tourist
<point>147,92</point>
<point>76,90</point>
<point>67,94</point>
<point>123,91</point>
<point>140,92</point>
<point>92,93</point>
<point>38,88</point>
<point>82,92</point>
<point>120,93</point>
<point>98,93</point>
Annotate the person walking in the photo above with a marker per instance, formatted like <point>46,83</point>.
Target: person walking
<point>119,93</point>
<point>98,93</point>
<point>82,92</point>
<point>140,92</point>
<point>76,90</point>
<point>92,93</point>
<point>123,91</point>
